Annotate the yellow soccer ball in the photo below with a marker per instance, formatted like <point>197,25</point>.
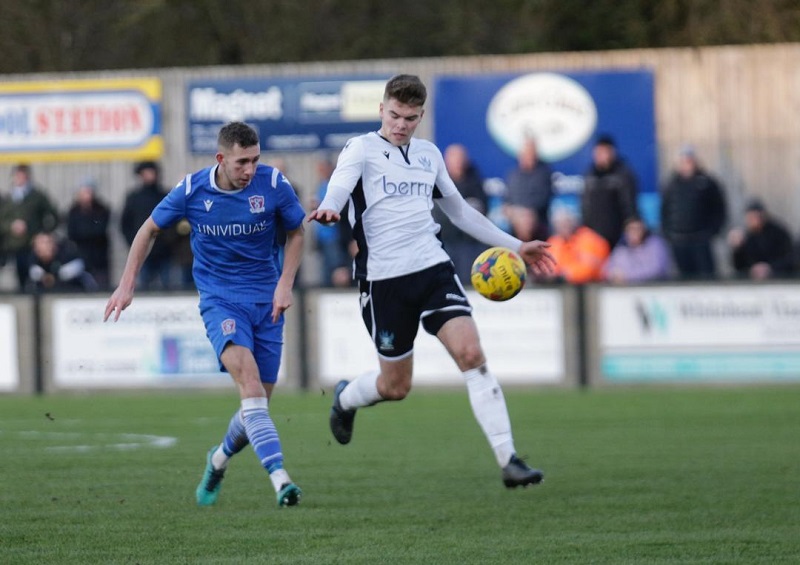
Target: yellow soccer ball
<point>498,274</point>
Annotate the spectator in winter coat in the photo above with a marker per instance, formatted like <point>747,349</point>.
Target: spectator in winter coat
<point>56,266</point>
<point>462,248</point>
<point>579,251</point>
<point>609,194</point>
<point>87,228</point>
<point>529,191</point>
<point>763,249</point>
<point>138,205</point>
<point>25,212</point>
<point>692,214</point>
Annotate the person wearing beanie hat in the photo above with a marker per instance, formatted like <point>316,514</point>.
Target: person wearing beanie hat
<point>87,228</point>
<point>692,214</point>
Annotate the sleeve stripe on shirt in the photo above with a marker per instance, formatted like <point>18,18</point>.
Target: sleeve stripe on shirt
<point>275,173</point>
<point>188,184</point>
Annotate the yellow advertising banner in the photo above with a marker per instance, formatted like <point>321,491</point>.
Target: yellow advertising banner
<point>81,120</point>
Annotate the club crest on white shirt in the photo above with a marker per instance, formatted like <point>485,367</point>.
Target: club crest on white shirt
<point>426,163</point>
<point>256,204</point>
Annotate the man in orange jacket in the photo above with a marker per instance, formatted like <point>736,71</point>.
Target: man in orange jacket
<point>580,252</point>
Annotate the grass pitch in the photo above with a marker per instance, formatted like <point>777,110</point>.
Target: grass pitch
<point>632,476</point>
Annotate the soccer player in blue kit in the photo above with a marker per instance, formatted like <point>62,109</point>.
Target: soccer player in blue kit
<point>405,277</point>
<point>234,208</point>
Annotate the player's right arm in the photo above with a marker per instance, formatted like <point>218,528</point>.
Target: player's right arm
<point>140,249</point>
<point>349,169</point>
<point>171,209</point>
<point>328,211</point>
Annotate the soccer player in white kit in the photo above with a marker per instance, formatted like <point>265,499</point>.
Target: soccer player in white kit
<point>405,277</point>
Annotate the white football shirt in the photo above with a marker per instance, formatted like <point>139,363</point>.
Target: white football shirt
<point>391,197</point>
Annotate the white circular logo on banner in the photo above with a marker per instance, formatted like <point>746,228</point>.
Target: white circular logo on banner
<point>554,110</point>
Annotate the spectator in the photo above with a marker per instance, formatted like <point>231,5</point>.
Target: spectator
<point>280,164</point>
<point>87,229</point>
<point>609,194</point>
<point>28,211</point>
<point>331,240</point>
<point>138,205</point>
<point>529,192</point>
<point>57,266</point>
<point>579,251</point>
<point>2,237</point>
<point>763,249</point>
<point>461,247</point>
<point>181,250</point>
<point>692,214</point>
<point>639,256</point>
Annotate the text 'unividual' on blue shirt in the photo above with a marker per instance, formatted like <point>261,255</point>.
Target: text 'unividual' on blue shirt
<point>233,234</point>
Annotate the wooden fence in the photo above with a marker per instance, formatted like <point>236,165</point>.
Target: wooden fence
<point>739,106</point>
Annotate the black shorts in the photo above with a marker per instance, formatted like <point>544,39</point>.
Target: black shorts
<point>393,308</point>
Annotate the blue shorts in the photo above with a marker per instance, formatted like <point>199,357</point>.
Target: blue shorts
<point>248,325</point>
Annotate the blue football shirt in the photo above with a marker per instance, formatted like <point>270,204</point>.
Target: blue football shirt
<point>233,231</point>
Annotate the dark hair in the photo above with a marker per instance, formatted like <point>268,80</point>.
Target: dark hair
<point>605,139</point>
<point>143,165</point>
<point>23,168</point>
<point>634,218</point>
<point>407,89</point>
<point>237,133</point>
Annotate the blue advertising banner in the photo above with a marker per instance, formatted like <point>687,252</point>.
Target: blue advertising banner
<point>491,115</point>
<point>289,114</point>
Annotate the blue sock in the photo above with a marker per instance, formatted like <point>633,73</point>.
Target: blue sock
<point>236,437</point>
<point>262,433</point>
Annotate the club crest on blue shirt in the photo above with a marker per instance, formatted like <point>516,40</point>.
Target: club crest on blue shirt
<point>256,204</point>
<point>228,326</point>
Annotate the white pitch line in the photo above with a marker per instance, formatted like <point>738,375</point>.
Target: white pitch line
<point>118,442</point>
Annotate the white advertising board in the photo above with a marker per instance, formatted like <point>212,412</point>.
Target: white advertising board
<point>523,340</point>
<point>9,349</point>
<point>158,341</point>
<point>702,333</point>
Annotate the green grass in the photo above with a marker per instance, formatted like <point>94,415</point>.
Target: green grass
<point>632,476</point>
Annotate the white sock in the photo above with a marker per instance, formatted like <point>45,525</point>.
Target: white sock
<point>489,407</point>
<point>363,391</point>
<point>279,478</point>
<point>219,460</point>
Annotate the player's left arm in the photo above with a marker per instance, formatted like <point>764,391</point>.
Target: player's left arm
<point>469,220</point>
<point>472,222</point>
<point>292,254</point>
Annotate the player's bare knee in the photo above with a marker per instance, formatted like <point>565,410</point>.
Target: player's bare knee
<point>469,356</point>
<point>393,389</point>
<point>250,387</point>
<point>396,391</point>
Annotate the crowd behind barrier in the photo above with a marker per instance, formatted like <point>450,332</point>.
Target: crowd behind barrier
<point>603,238</point>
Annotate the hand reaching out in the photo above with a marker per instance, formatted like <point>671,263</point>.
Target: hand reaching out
<point>535,254</point>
